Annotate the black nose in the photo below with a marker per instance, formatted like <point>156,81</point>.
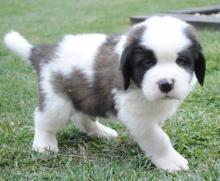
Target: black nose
<point>165,86</point>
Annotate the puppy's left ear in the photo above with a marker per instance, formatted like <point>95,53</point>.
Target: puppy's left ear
<point>200,67</point>
<point>125,66</point>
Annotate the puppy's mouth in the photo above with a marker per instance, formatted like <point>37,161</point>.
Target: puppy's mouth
<point>169,97</point>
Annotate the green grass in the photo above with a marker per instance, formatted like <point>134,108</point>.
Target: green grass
<point>194,130</point>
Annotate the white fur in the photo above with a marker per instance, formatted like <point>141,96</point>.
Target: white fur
<point>71,54</point>
<point>175,73</point>
<point>93,127</point>
<point>143,111</point>
<point>50,121</point>
<point>120,46</point>
<point>16,43</point>
<point>159,33</point>
<point>144,120</point>
<point>78,52</point>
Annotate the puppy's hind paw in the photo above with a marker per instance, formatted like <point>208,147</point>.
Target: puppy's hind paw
<point>42,149</point>
<point>102,131</point>
<point>44,141</point>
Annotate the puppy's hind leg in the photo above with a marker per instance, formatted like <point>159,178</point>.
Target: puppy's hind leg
<point>92,127</point>
<point>48,122</point>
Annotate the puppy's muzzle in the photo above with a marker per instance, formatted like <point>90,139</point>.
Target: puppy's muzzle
<point>165,85</point>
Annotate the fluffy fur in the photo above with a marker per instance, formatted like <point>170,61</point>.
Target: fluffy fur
<point>139,78</point>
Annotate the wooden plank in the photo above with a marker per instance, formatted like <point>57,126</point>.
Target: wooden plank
<point>199,21</point>
<point>200,10</point>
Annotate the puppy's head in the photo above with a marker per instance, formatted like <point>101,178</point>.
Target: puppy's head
<point>162,56</point>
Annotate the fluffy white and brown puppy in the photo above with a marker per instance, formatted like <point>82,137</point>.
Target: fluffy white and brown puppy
<point>140,78</point>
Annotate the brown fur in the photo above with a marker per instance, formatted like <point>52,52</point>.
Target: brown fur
<point>40,55</point>
<point>134,35</point>
<point>95,99</point>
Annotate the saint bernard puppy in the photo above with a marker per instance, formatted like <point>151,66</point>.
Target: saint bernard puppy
<point>139,78</point>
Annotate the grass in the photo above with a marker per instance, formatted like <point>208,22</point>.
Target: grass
<point>194,130</point>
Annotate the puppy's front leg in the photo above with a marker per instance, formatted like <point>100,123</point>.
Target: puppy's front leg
<point>157,146</point>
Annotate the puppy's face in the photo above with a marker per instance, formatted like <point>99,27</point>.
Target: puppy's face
<point>162,56</point>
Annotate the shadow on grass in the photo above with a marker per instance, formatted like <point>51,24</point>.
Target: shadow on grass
<point>90,149</point>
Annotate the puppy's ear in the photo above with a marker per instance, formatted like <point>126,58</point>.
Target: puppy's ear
<point>125,66</point>
<point>200,67</point>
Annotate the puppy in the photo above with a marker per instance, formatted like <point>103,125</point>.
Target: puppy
<point>140,78</point>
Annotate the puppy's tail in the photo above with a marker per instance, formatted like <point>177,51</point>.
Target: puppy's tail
<point>18,44</point>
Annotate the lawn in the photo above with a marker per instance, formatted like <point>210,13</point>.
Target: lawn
<point>194,130</point>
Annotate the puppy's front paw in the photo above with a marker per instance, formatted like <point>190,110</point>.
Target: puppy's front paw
<point>172,161</point>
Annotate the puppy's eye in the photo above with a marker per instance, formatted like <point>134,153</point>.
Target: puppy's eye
<point>145,63</point>
<point>183,61</point>
<point>144,58</point>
